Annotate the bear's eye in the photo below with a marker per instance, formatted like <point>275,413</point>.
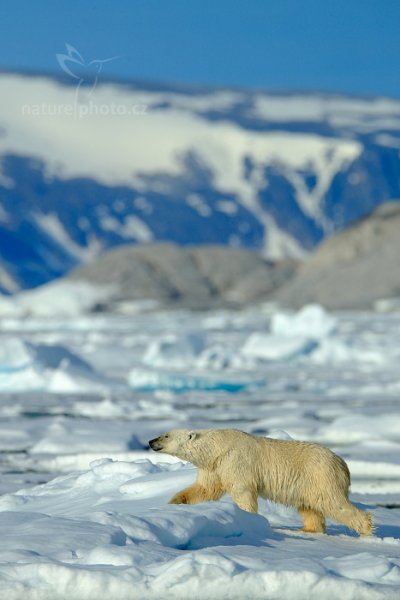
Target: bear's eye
<point>166,436</point>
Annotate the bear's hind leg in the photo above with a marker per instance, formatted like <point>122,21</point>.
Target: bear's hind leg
<point>353,517</point>
<point>314,521</point>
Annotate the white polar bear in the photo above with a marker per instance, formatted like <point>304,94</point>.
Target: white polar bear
<point>307,476</point>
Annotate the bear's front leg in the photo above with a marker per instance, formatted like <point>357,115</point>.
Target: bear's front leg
<point>190,495</point>
<point>193,495</point>
<point>245,498</point>
<point>207,487</point>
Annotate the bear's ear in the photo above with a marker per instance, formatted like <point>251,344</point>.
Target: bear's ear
<point>192,435</point>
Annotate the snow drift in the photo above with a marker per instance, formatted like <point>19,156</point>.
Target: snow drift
<point>108,532</point>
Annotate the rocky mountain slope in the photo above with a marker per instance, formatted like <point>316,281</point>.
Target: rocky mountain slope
<point>83,170</point>
<point>357,268</point>
<point>197,277</point>
<point>353,269</point>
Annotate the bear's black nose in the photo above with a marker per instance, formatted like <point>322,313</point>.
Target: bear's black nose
<point>155,444</point>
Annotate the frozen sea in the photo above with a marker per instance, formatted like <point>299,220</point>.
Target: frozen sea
<point>84,507</point>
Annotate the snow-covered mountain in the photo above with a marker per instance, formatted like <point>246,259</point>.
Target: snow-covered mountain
<point>83,169</point>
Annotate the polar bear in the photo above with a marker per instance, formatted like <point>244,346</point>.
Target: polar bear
<point>304,475</point>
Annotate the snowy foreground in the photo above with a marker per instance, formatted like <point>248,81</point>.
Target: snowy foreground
<point>84,511</point>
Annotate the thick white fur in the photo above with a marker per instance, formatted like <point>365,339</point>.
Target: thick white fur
<point>307,476</point>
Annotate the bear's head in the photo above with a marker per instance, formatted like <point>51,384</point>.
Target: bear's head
<point>182,443</point>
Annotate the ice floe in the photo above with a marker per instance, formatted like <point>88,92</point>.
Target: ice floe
<point>26,366</point>
<point>58,298</point>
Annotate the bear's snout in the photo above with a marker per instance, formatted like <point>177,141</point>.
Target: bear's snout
<point>156,444</point>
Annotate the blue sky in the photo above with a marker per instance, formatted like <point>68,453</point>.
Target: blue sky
<point>336,45</point>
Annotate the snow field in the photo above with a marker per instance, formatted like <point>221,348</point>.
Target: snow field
<point>108,532</point>
<point>80,398</point>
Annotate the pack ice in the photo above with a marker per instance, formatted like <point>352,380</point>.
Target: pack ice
<point>84,508</point>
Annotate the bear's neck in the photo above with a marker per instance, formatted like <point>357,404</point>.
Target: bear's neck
<point>200,457</point>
